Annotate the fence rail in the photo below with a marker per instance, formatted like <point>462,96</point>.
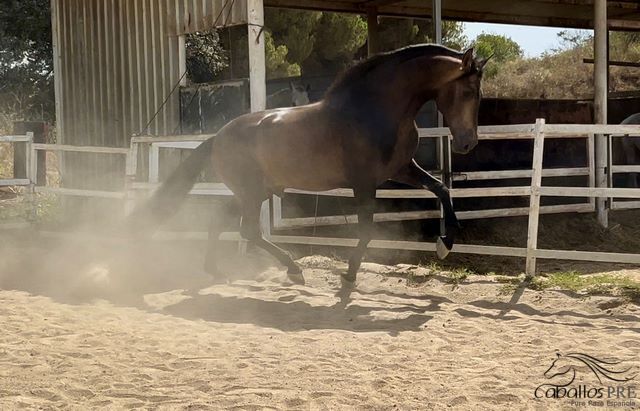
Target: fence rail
<point>538,132</point>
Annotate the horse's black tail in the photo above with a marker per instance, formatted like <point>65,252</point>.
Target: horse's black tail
<point>165,200</point>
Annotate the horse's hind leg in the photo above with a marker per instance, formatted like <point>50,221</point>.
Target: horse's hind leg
<point>366,203</point>
<point>250,230</point>
<point>415,176</point>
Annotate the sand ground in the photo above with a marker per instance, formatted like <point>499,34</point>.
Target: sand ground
<point>105,338</point>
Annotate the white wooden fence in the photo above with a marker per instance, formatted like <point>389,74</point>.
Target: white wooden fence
<point>538,132</point>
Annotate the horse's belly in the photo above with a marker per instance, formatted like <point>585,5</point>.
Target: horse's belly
<point>304,171</point>
<point>309,162</point>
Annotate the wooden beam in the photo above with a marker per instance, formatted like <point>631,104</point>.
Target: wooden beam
<point>615,63</point>
<point>257,64</point>
<point>534,203</point>
<point>373,41</point>
<point>601,45</point>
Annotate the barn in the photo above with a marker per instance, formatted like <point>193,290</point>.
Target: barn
<point>120,69</point>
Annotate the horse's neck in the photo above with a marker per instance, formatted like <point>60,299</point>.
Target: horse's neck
<point>417,82</point>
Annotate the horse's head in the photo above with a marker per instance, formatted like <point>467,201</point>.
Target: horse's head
<point>299,94</point>
<point>459,100</point>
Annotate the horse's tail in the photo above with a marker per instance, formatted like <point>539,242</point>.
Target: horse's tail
<point>165,200</point>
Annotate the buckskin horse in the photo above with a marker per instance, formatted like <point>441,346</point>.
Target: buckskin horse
<point>361,134</point>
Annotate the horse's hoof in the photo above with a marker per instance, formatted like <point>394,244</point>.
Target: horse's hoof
<point>294,269</point>
<point>443,247</point>
<point>348,278</point>
<point>294,274</point>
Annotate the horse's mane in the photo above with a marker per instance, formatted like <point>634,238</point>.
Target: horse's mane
<point>356,74</point>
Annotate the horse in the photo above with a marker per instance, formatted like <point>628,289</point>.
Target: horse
<point>361,134</point>
<point>294,96</point>
<point>631,147</point>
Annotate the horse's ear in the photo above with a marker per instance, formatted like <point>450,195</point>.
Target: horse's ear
<point>467,60</point>
<point>482,62</point>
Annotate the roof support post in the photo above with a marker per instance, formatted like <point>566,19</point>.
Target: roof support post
<point>257,64</point>
<point>601,46</point>
<point>373,43</point>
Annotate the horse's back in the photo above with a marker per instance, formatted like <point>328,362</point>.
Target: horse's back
<point>289,147</point>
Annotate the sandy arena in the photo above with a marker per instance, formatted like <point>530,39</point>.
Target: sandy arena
<point>103,337</point>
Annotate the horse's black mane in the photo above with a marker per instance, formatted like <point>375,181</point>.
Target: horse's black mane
<point>358,72</point>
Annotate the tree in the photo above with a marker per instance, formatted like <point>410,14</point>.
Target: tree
<point>276,60</point>
<point>26,58</point>
<point>399,32</point>
<point>205,56</point>
<point>317,42</point>
<point>501,47</point>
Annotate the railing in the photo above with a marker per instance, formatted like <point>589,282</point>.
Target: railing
<point>539,132</point>
<point>29,180</point>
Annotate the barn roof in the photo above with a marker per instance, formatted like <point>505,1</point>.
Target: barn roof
<point>622,14</point>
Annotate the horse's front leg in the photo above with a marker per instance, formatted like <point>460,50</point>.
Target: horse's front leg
<point>365,199</point>
<point>414,175</point>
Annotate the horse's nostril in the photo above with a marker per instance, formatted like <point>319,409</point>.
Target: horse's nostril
<point>466,147</point>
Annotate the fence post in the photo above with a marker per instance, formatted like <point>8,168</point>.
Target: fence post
<point>130,177</point>
<point>31,171</point>
<point>534,203</point>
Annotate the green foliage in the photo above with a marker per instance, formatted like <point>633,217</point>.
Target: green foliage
<point>398,32</point>
<point>294,29</point>
<point>338,37</point>
<point>602,284</point>
<point>276,60</point>
<point>205,56</point>
<point>502,48</point>
<point>26,58</point>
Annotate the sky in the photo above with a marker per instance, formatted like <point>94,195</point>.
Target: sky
<point>533,39</point>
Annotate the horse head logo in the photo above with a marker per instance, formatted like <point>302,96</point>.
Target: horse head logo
<point>564,368</point>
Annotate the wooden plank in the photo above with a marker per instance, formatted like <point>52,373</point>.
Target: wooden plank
<point>589,256</point>
<point>154,164</point>
<point>509,174</point>
<point>417,193</point>
<point>591,159</point>
<point>81,149</point>
<point>625,205</point>
<point>257,59</point>
<point>534,204</point>
<point>80,193</point>
<point>301,222</point>
<point>7,182</point>
<point>123,65</point>
<point>185,145</point>
<point>373,43</point>
<point>520,129</point>
<point>182,59</point>
<point>156,80</point>
<point>178,138</point>
<point>626,169</point>
<point>14,139</point>
<point>57,43</point>
<point>601,192</point>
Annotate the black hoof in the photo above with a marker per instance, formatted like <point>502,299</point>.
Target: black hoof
<point>349,278</point>
<point>295,275</point>
<point>294,269</point>
<point>443,247</point>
